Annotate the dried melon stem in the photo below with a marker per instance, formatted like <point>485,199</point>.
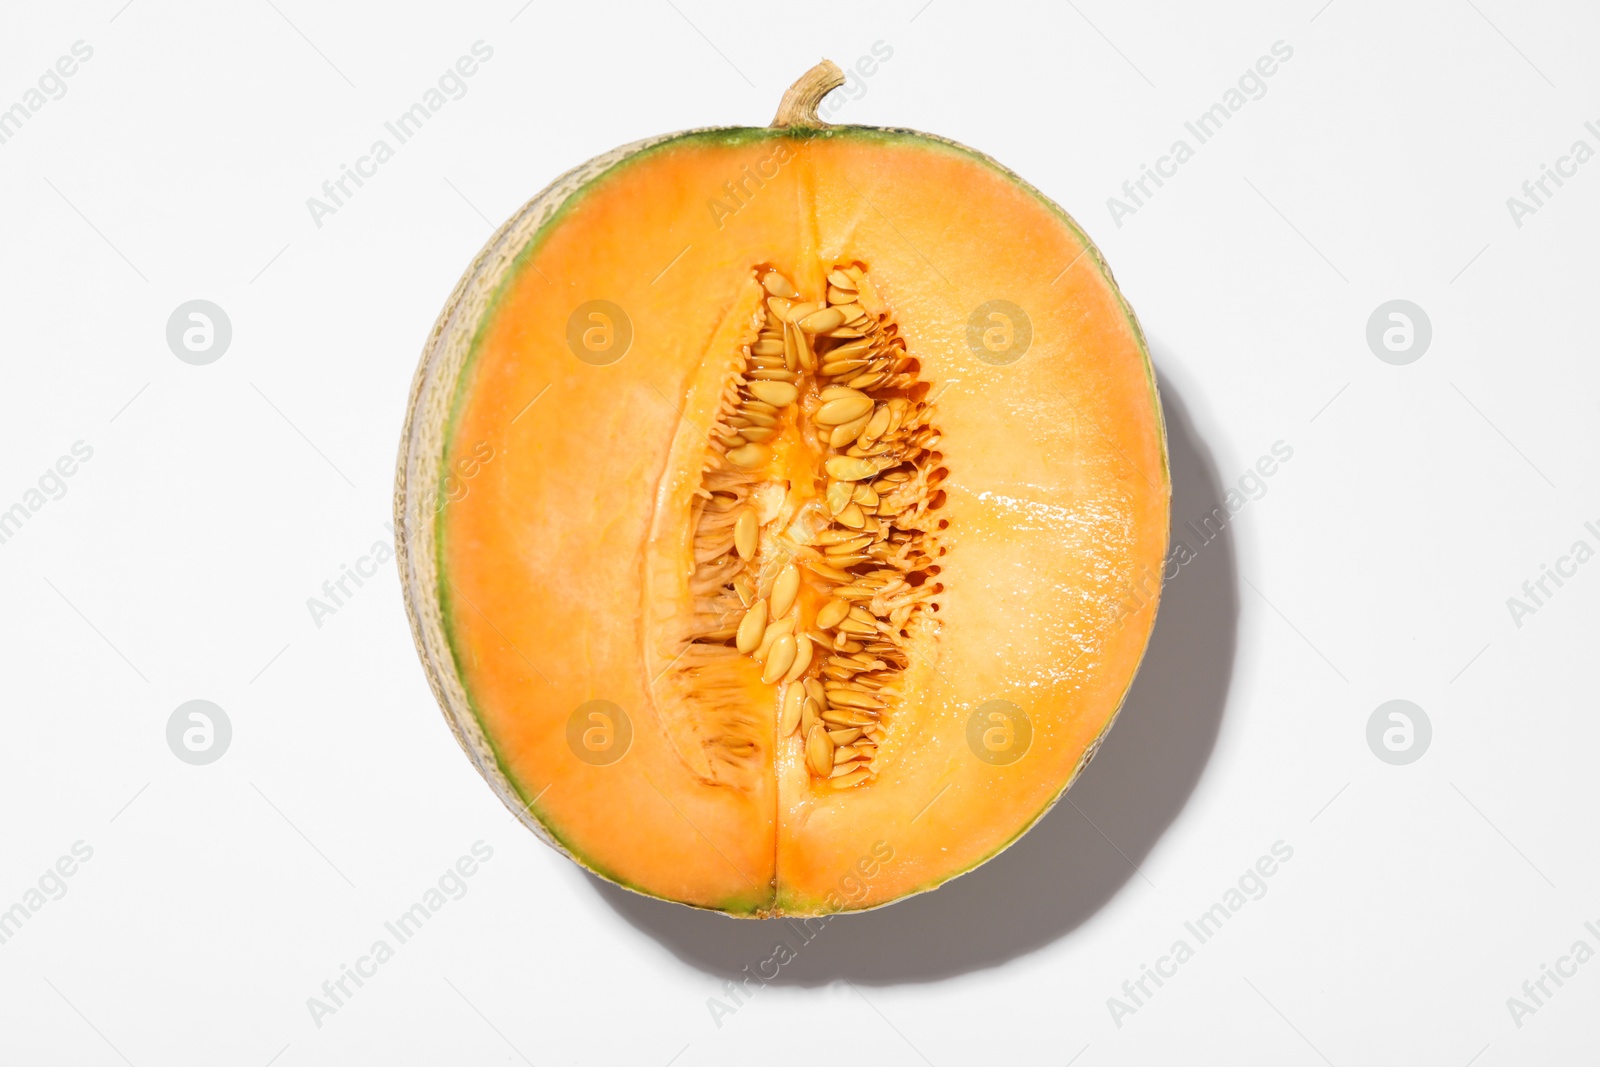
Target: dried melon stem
<point>815,525</point>
<point>799,104</point>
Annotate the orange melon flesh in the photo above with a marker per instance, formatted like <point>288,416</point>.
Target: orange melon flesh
<point>553,557</point>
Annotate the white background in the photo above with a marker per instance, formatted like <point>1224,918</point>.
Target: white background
<point>1376,566</point>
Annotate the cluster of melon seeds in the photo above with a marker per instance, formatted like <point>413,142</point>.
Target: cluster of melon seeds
<point>835,635</point>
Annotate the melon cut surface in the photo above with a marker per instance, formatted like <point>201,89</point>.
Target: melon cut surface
<point>864,383</point>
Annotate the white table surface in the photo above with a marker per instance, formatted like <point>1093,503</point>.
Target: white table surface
<point>1374,565</point>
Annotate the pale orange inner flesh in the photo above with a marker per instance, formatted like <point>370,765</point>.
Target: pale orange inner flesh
<point>566,555</point>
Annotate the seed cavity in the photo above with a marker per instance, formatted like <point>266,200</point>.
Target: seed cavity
<point>827,613</point>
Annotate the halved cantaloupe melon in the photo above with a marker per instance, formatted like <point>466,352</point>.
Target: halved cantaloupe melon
<point>782,511</point>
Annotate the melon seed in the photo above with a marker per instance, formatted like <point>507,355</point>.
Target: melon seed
<point>789,718</point>
<point>778,394</point>
<point>779,659</point>
<point>822,321</point>
<point>745,533</point>
<point>841,366</point>
<point>845,548</point>
<point>798,311</point>
<point>817,566</point>
<point>842,410</point>
<point>752,455</point>
<point>796,349</point>
<point>845,434</point>
<point>752,627</point>
<point>879,424</point>
<point>810,714</point>
<point>802,660</point>
<point>784,590</point>
<point>832,613</point>
<point>819,752</point>
<point>846,468</point>
<point>777,285</point>
<point>774,631</point>
<point>838,495</point>
<point>848,698</point>
<point>852,349</point>
<point>855,316</point>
